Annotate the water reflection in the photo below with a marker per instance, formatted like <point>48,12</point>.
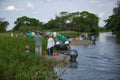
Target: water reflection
<point>95,62</point>
<point>73,64</point>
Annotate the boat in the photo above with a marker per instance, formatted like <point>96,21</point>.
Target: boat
<point>58,58</point>
<point>63,56</point>
<point>80,42</point>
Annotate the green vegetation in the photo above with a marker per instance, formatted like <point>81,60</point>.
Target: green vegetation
<point>15,64</point>
<point>76,21</point>
<point>3,25</point>
<point>113,22</point>
<point>27,24</point>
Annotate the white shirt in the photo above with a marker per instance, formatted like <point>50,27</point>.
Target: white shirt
<point>54,34</point>
<point>50,43</point>
<point>66,42</point>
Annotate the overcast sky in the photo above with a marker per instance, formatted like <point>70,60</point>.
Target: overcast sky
<point>44,10</point>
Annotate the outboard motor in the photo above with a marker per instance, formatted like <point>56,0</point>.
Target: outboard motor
<point>73,55</point>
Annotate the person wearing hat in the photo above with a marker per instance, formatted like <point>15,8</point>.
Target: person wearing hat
<point>50,45</point>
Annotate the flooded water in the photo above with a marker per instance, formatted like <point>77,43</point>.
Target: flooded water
<point>95,62</point>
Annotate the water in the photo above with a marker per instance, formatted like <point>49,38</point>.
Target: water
<point>95,62</point>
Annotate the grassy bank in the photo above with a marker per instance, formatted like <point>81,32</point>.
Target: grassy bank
<point>15,64</point>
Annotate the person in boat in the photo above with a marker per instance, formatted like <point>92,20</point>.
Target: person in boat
<point>50,45</point>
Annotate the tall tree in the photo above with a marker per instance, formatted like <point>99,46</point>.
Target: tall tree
<point>113,22</point>
<point>77,21</point>
<point>26,24</point>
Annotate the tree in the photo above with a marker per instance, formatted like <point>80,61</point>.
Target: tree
<point>3,25</point>
<point>77,21</point>
<point>27,24</point>
<point>113,22</point>
<point>86,22</point>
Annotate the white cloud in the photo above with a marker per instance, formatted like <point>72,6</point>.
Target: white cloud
<point>101,14</point>
<point>10,8</point>
<point>13,8</point>
<point>29,5</point>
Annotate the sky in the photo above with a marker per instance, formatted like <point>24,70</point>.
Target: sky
<point>44,10</point>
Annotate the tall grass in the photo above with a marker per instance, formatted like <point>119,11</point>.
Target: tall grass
<point>15,64</point>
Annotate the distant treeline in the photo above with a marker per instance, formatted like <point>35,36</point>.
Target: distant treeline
<point>77,21</point>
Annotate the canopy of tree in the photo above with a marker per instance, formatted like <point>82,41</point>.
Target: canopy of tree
<point>3,25</point>
<point>27,24</point>
<point>113,22</point>
<point>77,21</point>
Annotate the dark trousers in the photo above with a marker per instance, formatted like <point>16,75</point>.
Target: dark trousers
<point>50,51</point>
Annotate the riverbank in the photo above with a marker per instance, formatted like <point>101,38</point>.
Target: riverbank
<point>16,64</point>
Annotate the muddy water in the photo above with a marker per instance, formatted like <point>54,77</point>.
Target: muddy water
<point>95,62</point>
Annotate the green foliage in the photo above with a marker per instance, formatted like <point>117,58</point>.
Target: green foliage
<point>113,22</point>
<point>15,64</point>
<point>27,24</point>
<point>77,21</point>
<point>3,25</point>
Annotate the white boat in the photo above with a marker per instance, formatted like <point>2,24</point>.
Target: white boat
<point>81,42</point>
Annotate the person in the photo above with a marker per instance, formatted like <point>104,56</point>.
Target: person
<point>30,34</point>
<point>33,34</point>
<point>54,34</point>
<point>11,34</point>
<point>27,49</point>
<point>86,36</point>
<point>50,45</point>
<point>38,43</point>
<point>93,38</point>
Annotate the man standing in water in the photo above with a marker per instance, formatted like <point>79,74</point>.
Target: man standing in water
<point>93,38</point>
<point>50,44</point>
<point>38,43</point>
